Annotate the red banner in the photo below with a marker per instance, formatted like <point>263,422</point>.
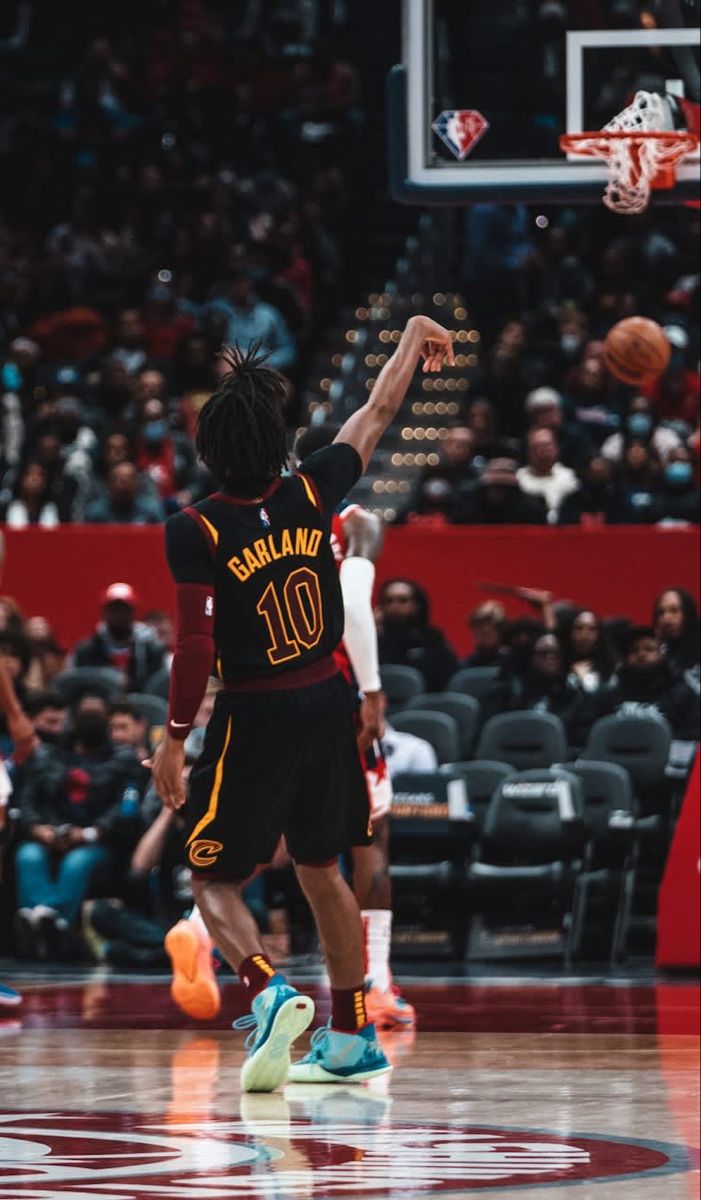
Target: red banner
<point>60,573</point>
<point>678,907</point>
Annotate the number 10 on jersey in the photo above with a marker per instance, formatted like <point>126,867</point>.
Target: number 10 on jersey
<point>294,615</point>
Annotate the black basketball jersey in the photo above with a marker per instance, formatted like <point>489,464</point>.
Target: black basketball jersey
<point>276,592</point>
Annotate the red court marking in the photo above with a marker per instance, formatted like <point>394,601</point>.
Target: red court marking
<point>55,1154</point>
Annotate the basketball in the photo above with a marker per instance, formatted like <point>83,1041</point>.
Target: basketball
<point>636,350</point>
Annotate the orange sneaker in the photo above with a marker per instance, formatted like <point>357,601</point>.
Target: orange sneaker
<point>389,1010</point>
<point>194,988</point>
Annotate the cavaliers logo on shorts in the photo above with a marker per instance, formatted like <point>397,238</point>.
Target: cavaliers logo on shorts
<point>204,853</point>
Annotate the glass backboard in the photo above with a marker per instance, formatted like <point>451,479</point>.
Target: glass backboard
<point>487,87</point>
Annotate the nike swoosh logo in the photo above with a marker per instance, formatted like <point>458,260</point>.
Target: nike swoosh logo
<point>180,724</point>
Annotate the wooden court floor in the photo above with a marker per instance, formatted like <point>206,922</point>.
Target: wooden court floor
<point>526,1089</point>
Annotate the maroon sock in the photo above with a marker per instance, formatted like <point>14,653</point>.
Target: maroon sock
<point>255,973</point>
<point>348,1009</point>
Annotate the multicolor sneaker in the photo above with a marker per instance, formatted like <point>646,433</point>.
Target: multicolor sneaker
<point>341,1057</point>
<point>279,1014</point>
<point>194,988</point>
<point>389,1010</point>
<point>9,998</point>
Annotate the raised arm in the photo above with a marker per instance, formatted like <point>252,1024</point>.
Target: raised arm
<point>422,339</point>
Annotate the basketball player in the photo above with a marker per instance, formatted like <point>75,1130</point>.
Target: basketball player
<point>24,742</point>
<point>258,592</point>
<point>356,539</point>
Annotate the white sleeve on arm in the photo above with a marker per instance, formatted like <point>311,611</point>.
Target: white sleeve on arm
<point>360,635</point>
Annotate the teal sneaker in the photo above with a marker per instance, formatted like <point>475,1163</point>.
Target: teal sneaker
<point>279,1014</point>
<point>341,1058</point>
<point>9,998</point>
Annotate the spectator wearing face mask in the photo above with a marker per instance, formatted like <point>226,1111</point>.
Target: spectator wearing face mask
<point>69,804</point>
<point>638,482</point>
<point>498,499</point>
<point>544,475</point>
<point>646,685</point>
<point>678,496</point>
<point>166,456</point>
<point>676,622</point>
<point>406,638</point>
<point>122,642</point>
<point>640,424</point>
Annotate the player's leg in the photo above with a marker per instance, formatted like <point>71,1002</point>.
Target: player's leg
<point>194,987</point>
<point>331,813</point>
<point>232,821</point>
<point>373,889</point>
<point>347,1051</point>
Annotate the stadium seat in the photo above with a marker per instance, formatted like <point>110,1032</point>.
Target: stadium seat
<point>641,745</point>
<point>400,684</point>
<point>473,681</point>
<point>435,727</point>
<point>532,846</point>
<point>482,778</point>
<point>465,710</point>
<point>154,708</point>
<point>610,815</point>
<point>526,740</point>
<point>430,838</point>
<point>158,684</point>
<point>103,681</point>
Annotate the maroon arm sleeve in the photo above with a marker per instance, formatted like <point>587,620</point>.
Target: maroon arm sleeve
<point>192,567</point>
<point>194,656</point>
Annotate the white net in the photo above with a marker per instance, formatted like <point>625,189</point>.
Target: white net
<point>633,165</point>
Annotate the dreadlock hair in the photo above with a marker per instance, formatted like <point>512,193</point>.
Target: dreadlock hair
<point>240,435</point>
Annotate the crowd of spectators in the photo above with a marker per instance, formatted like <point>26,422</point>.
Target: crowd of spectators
<point>94,863</point>
<point>547,435</point>
<point>180,178</point>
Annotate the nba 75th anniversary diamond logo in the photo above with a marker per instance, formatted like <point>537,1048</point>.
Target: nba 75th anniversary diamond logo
<point>460,129</point>
<point>91,1156</point>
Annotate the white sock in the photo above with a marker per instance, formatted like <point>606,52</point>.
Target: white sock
<point>377,936</point>
<point>196,919</point>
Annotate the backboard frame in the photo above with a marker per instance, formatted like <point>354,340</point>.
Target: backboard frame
<point>413,180</point>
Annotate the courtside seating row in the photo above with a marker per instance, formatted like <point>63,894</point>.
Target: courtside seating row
<point>566,841</point>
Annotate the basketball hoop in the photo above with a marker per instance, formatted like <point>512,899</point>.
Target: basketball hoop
<point>638,161</point>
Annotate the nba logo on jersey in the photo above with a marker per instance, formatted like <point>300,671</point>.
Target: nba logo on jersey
<point>265,519</point>
<point>460,129</point>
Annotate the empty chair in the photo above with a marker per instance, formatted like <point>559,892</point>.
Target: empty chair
<point>465,710</point>
<point>154,708</point>
<point>103,681</point>
<point>530,854</point>
<point>400,684</point>
<point>482,779</point>
<point>430,837</point>
<point>526,740</point>
<point>473,681</point>
<point>609,878</point>
<point>435,727</point>
<point>158,684</point>
<point>641,744</point>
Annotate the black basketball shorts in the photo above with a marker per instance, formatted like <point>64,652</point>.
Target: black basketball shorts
<point>273,763</point>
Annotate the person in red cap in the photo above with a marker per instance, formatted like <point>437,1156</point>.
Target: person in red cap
<point>122,642</point>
